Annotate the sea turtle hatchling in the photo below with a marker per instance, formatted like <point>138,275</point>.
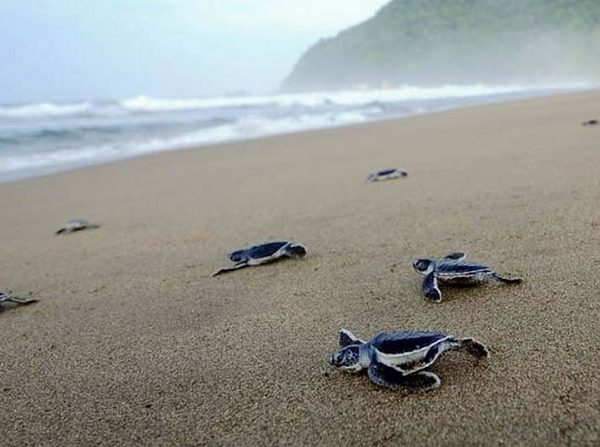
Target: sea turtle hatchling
<point>454,269</point>
<point>263,254</point>
<point>386,174</point>
<point>7,297</point>
<point>399,359</point>
<point>74,225</point>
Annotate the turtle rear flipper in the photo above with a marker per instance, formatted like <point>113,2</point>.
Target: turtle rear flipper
<point>431,357</point>
<point>393,378</point>
<point>431,289</point>
<point>474,348</point>
<point>238,266</point>
<point>507,280</point>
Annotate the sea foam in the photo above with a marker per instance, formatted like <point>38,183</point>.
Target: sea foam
<point>48,137</point>
<point>147,104</point>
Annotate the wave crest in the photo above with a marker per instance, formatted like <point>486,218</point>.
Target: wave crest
<point>146,104</point>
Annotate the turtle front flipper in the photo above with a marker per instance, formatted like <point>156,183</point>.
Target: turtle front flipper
<point>431,289</point>
<point>21,301</point>
<point>457,256</point>
<point>393,378</point>
<point>506,280</point>
<point>347,338</point>
<point>10,298</point>
<point>238,266</point>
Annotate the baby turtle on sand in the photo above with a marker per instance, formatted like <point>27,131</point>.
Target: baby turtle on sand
<point>74,225</point>
<point>263,254</point>
<point>454,269</point>
<point>7,297</point>
<point>399,359</point>
<point>589,123</point>
<point>386,174</point>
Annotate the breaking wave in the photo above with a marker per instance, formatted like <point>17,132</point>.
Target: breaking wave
<point>48,137</point>
<point>146,104</point>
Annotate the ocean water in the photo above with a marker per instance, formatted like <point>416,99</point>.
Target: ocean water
<point>42,138</point>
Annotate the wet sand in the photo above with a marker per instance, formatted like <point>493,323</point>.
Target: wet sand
<point>133,342</point>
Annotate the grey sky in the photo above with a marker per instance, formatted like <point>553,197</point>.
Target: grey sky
<point>85,49</point>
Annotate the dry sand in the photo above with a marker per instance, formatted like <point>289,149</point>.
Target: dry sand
<point>133,342</point>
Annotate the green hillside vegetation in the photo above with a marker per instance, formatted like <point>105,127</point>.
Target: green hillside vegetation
<point>458,41</point>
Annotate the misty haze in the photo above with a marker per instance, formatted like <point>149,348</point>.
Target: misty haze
<point>433,42</point>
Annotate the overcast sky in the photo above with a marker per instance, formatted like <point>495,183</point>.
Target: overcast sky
<point>86,49</point>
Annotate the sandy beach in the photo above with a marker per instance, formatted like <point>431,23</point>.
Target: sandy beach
<point>133,342</point>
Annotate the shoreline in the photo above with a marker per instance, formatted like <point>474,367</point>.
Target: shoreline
<point>133,342</point>
<point>455,104</point>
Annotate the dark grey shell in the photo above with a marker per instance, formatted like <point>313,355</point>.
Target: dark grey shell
<point>75,225</point>
<point>258,251</point>
<point>460,269</point>
<point>391,171</point>
<point>395,343</point>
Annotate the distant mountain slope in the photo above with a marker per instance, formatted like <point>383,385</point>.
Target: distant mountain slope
<point>458,41</point>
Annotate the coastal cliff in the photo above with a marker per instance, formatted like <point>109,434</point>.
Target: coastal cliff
<point>459,41</point>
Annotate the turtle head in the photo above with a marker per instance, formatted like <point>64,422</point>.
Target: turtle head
<point>424,265</point>
<point>296,250</point>
<point>347,358</point>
